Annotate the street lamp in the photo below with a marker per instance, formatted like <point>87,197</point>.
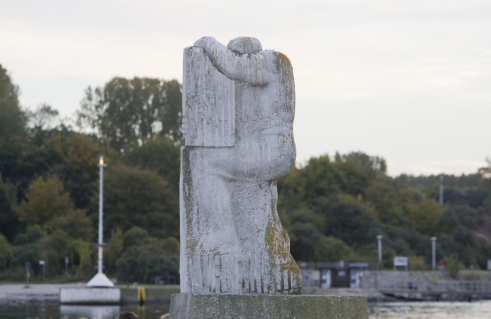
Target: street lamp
<point>379,238</point>
<point>433,253</point>
<point>100,280</point>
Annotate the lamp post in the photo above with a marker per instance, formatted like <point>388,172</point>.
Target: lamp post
<point>101,192</point>
<point>433,253</point>
<point>379,239</point>
<point>43,263</point>
<point>100,280</point>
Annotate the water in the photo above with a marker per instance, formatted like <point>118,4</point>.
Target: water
<point>397,310</point>
<point>53,310</point>
<point>431,310</point>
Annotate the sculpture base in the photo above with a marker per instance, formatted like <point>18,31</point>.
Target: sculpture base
<point>222,306</point>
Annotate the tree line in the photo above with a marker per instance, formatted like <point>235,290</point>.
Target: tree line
<point>333,208</point>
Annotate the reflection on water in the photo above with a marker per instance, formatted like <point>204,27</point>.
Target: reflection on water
<point>53,310</point>
<point>431,310</point>
<point>91,312</point>
<point>398,310</point>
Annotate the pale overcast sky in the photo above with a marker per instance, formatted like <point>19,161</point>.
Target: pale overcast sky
<point>408,80</point>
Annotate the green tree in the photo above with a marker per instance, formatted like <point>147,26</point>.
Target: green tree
<point>12,119</point>
<point>76,223</point>
<point>386,201</point>
<point>148,263</point>
<point>114,251</point>
<point>305,215</point>
<point>82,254</point>
<point>135,236</point>
<point>26,247</point>
<point>171,245</point>
<point>6,253</point>
<point>426,217</point>
<point>53,249</point>
<point>332,249</point>
<point>161,155</point>
<point>73,157</point>
<point>452,266</point>
<point>348,219</point>
<point>371,165</point>
<point>146,201</point>
<point>32,234</point>
<point>8,199</point>
<point>316,180</point>
<point>129,112</point>
<point>43,116</point>
<point>303,240</point>
<point>14,148</point>
<point>45,200</point>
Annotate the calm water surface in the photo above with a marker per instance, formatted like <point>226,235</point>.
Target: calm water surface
<point>407,310</point>
<point>53,310</point>
<point>433,310</point>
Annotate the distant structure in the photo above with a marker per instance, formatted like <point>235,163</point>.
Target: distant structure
<point>433,253</point>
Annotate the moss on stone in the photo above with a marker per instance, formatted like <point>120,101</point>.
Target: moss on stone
<point>190,306</point>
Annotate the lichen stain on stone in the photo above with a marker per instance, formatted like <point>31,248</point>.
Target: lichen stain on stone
<point>278,250</point>
<point>188,200</point>
<point>282,61</point>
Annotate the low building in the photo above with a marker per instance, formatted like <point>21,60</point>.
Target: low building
<point>327,275</point>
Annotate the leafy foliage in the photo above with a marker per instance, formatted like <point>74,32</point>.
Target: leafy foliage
<point>148,263</point>
<point>146,201</point>
<point>5,252</point>
<point>12,119</point>
<point>45,200</point>
<point>351,200</point>
<point>128,113</point>
<point>453,267</point>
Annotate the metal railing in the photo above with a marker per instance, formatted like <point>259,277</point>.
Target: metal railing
<point>477,286</point>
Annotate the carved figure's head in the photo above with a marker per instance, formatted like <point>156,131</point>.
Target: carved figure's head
<point>245,45</point>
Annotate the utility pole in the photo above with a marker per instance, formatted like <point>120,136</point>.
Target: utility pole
<point>441,189</point>
<point>379,239</point>
<point>433,253</point>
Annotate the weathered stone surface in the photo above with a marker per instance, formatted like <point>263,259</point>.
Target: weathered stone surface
<point>238,110</point>
<point>188,306</point>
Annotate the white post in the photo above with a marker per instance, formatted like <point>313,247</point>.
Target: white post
<point>101,177</point>
<point>379,238</point>
<point>433,253</point>
<point>100,280</point>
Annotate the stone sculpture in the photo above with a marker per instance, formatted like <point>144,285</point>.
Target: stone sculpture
<point>238,110</point>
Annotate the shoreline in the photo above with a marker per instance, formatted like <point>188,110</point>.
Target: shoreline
<point>18,293</point>
<point>13,293</point>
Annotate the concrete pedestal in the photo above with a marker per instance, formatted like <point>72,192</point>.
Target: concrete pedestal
<point>222,306</point>
<point>90,296</point>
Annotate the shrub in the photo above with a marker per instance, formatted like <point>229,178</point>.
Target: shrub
<point>452,265</point>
